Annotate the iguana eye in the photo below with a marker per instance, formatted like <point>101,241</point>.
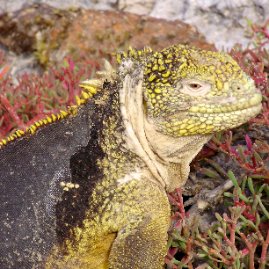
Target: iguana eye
<point>195,86</point>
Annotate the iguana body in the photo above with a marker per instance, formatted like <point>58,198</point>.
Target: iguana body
<point>141,130</point>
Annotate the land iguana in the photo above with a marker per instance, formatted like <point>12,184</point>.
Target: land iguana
<point>87,188</point>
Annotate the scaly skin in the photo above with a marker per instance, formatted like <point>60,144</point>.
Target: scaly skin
<point>152,118</point>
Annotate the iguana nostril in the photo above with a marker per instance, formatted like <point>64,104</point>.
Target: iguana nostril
<point>237,87</point>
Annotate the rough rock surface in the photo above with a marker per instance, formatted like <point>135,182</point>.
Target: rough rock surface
<point>53,34</point>
<point>222,22</point>
<point>124,29</point>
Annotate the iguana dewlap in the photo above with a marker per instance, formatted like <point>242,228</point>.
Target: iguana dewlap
<point>100,190</point>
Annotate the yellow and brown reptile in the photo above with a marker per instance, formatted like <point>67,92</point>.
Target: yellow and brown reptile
<point>90,185</point>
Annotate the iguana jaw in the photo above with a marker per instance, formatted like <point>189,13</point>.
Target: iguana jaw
<point>175,153</point>
<point>192,123</point>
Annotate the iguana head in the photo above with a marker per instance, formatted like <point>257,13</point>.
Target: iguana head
<point>190,91</point>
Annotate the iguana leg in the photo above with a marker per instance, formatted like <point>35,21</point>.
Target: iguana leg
<point>141,241</point>
<point>144,247</point>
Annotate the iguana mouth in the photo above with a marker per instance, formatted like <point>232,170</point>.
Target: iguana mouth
<point>220,107</point>
<point>230,115</point>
